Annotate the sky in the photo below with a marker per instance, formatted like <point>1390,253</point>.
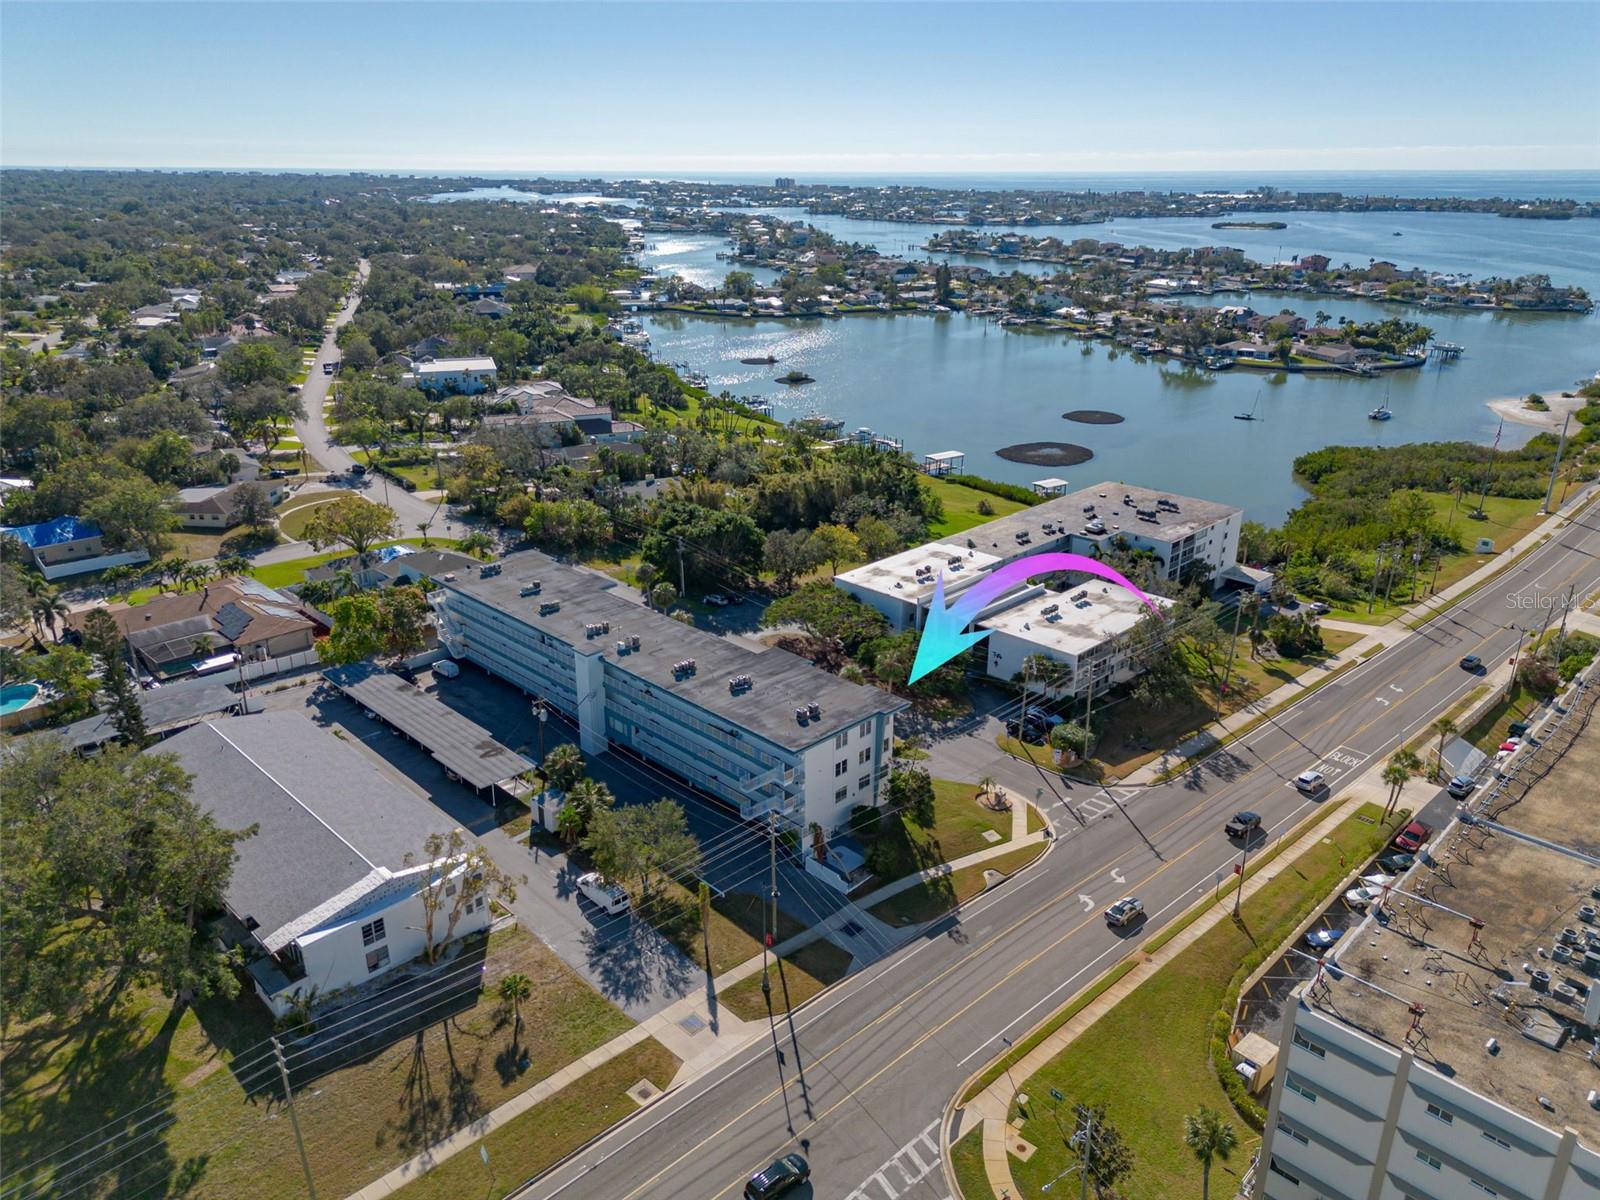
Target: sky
<point>801,88</point>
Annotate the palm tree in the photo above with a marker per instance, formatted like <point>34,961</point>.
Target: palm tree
<point>986,786</point>
<point>1397,774</point>
<point>514,989</point>
<point>1445,728</point>
<point>563,766</point>
<point>1211,1139</point>
<point>344,581</point>
<point>587,797</point>
<point>47,609</point>
<point>569,823</point>
<point>477,542</point>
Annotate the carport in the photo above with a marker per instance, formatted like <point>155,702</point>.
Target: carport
<point>462,747</point>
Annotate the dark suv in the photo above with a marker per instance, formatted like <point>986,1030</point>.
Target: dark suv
<point>1242,825</point>
<point>784,1173</point>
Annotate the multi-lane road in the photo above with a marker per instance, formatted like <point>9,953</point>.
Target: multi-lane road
<point>882,1052</point>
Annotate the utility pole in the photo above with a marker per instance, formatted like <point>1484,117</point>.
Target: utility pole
<point>1238,894</point>
<point>288,1099</point>
<point>1227,671</point>
<point>1561,638</point>
<point>772,868</point>
<point>683,588</point>
<point>1088,715</point>
<point>1088,1151</point>
<point>1511,684</point>
<point>1556,466</point>
<point>1377,569</point>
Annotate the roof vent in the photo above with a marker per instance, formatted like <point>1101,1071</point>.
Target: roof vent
<point>814,711</point>
<point>633,641</point>
<point>683,667</point>
<point>622,646</point>
<point>740,684</point>
<point>596,629</point>
<point>800,714</point>
<point>531,588</point>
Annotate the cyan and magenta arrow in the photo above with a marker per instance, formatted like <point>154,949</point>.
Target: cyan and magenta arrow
<point>942,636</point>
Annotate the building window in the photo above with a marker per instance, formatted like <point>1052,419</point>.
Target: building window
<point>1498,1141</point>
<point>864,783</point>
<point>1273,1164</point>
<point>1439,1114</point>
<point>1483,1187</point>
<point>840,767</point>
<point>1294,1085</point>
<point>372,932</point>
<point>865,756</point>
<point>843,740</point>
<point>1429,1160</point>
<point>841,795</point>
<point>1308,1045</point>
<point>866,729</point>
<point>377,959</point>
<point>888,747</point>
<point>1294,1133</point>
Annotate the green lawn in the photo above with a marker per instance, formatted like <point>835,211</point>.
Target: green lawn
<point>549,1130</point>
<point>292,521</point>
<point>1168,1018</point>
<point>1507,520</point>
<point>961,506</point>
<point>1489,730</point>
<point>935,897</point>
<point>805,972</point>
<point>966,1159</point>
<point>64,1080</point>
<point>422,474</point>
<point>733,934</point>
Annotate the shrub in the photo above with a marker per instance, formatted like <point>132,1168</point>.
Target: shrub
<point>864,822</point>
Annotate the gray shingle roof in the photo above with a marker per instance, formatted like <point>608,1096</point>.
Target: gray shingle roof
<point>327,816</point>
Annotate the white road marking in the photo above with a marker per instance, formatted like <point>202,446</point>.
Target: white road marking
<point>1088,904</point>
<point>907,1163</point>
<point>1117,876</point>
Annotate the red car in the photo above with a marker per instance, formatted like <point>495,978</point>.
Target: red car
<point>1412,837</point>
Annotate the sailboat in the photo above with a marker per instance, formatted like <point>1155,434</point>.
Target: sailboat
<point>1251,415</point>
<point>1381,413</point>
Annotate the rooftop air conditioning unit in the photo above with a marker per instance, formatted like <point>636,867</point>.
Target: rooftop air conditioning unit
<point>622,646</point>
<point>489,571</point>
<point>633,642</point>
<point>550,606</point>
<point>531,588</point>
<point>1050,608</point>
<point>814,711</point>
<point>800,714</point>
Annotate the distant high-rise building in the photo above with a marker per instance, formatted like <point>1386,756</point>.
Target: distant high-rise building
<point>783,181</point>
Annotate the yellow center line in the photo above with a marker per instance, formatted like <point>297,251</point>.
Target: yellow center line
<point>993,943</point>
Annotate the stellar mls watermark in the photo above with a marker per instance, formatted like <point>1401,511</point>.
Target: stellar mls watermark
<point>1539,600</point>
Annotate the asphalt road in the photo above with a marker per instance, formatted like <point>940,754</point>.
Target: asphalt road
<point>882,1052</point>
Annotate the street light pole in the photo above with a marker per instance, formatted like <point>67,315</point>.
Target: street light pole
<point>1238,894</point>
<point>543,715</point>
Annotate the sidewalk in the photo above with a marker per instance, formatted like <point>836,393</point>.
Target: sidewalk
<point>698,1028</point>
<point>992,1106</point>
<point>1376,637</point>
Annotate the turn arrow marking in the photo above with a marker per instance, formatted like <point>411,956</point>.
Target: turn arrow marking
<point>1088,904</point>
<point>942,633</point>
<point>1117,876</point>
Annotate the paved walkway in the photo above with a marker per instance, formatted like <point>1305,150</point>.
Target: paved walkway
<point>700,1030</point>
<point>992,1106</point>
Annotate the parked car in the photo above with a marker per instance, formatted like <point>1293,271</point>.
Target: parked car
<point>1412,837</point>
<point>778,1177</point>
<point>1321,607</point>
<point>606,894</point>
<point>1362,895</point>
<point>277,473</point>
<point>1310,782</point>
<point>1323,939</point>
<point>1396,864</point>
<point>1472,663</point>
<point>1510,744</point>
<point>1519,729</point>
<point>715,600</point>
<point>1242,824</point>
<point>446,667</point>
<point>1125,911</point>
<point>1461,786</point>
<point>1028,729</point>
<point>358,470</point>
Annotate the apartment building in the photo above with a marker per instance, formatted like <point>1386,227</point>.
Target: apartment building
<point>766,732</point>
<point>1186,536</point>
<point>1084,629</point>
<point>1447,1051</point>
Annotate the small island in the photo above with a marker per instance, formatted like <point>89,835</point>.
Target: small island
<point>1047,454</point>
<point>794,377</point>
<point>1249,224</point>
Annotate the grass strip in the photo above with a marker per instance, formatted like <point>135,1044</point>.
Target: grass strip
<point>934,897</point>
<point>539,1138</point>
<point>806,972</point>
<point>966,1162</point>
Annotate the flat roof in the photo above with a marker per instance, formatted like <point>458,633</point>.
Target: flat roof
<point>168,707</point>
<point>781,682</point>
<point>1525,893</point>
<point>945,456</point>
<point>458,744</point>
<point>1078,626</point>
<point>898,576</point>
<point>1067,510</point>
<point>455,364</point>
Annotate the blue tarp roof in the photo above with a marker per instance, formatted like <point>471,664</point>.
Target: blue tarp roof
<point>55,532</point>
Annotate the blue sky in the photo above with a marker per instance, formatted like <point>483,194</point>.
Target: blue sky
<point>801,88</point>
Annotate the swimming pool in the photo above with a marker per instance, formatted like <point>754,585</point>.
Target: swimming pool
<point>16,696</point>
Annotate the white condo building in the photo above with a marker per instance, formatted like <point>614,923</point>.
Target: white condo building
<point>763,731</point>
<point>1447,1050</point>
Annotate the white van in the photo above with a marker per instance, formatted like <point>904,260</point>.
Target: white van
<point>447,668</point>
<point>607,895</point>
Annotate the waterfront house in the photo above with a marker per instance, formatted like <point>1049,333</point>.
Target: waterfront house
<point>69,545</point>
<point>1340,354</point>
<point>491,308</point>
<point>323,896</point>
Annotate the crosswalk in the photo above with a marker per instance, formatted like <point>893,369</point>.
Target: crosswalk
<point>909,1166</point>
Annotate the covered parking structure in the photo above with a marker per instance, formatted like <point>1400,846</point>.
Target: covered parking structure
<point>462,747</point>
